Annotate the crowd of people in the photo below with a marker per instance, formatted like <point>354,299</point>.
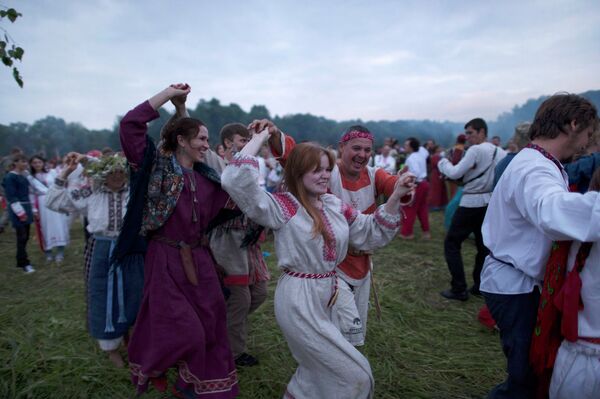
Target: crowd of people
<point>174,265</point>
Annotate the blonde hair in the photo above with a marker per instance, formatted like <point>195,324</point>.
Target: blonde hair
<point>305,158</point>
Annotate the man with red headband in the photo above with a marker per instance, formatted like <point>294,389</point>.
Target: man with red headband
<point>358,184</point>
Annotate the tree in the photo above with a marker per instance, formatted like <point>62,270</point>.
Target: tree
<point>9,51</point>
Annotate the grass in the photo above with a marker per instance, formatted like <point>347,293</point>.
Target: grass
<point>424,346</point>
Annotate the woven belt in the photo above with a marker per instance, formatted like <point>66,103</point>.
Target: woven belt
<point>315,276</point>
<point>185,252</point>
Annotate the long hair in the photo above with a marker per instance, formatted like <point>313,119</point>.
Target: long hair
<point>304,158</point>
<point>44,167</point>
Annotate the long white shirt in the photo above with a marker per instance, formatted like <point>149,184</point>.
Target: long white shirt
<point>386,163</point>
<point>589,316</point>
<point>417,165</point>
<point>531,207</point>
<point>477,159</point>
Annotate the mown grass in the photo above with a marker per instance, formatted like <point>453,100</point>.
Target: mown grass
<point>424,346</point>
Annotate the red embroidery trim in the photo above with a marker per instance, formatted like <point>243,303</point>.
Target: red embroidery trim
<point>380,219</point>
<point>355,134</point>
<point>329,250</point>
<point>349,212</point>
<point>288,205</point>
<point>241,160</point>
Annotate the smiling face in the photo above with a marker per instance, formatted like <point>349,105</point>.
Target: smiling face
<point>115,180</point>
<point>196,147</point>
<point>355,155</point>
<point>317,181</point>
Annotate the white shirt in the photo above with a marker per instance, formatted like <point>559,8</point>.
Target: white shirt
<point>478,158</point>
<point>417,165</point>
<point>531,207</point>
<point>386,163</point>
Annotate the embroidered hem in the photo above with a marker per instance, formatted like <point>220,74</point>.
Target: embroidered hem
<point>387,220</point>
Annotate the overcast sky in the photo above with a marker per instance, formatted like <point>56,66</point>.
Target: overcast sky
<point>89,61</point>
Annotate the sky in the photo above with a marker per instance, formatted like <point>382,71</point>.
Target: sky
<point>90,61</point>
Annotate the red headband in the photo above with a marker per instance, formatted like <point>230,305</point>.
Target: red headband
<point>355,134</point>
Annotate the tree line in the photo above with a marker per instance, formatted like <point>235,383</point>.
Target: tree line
<point>52,136</point>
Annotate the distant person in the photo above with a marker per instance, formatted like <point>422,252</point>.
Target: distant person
<point>520,139</point>
<point>52,227</point>
<point>385,160</point>
<point>438,193</point>
<point>454,155</point>
<point>529,209</point>
<point>417,165</point>
<point>476,170</point>
<point>496,141</point>
<point>20,212</point>
<point>220,150</point>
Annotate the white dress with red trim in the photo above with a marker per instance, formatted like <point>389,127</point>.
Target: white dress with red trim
<point>328,365</point>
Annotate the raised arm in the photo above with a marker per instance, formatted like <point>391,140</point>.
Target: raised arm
<point>280,144</point>
<point>133,126</point>
<point>59,198</point>
<point>240,180</point>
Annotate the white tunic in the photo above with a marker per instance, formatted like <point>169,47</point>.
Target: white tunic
<point>54,225</point>
<point>530,208</point>
<point>328,365</point>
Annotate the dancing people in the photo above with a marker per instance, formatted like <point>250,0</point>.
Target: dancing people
<point>182,318</point>
<point>532,200</point>
<point>359,185</point>
<point>52,227</point>
<point>476,170</point>
<point>113,291</point>
<point>313,230</point>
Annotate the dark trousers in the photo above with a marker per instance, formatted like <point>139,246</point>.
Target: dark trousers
<point>464,222</point>
<point>22,238</point>
<point>515,316</point>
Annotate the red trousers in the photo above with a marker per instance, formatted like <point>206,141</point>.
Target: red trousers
<point>418,208</point>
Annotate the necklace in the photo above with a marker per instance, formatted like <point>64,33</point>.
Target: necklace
<point>193,193</point>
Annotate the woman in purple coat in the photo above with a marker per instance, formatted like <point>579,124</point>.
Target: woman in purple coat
<point>181,322</point>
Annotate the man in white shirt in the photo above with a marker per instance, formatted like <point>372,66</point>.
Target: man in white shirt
<point>416,163</point>
<point>385,160</point>
<point>476,169</point>
<point>531,206</point>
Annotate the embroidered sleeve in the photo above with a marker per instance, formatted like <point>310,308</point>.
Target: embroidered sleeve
<point>369,232</point>
<point>240,180</point>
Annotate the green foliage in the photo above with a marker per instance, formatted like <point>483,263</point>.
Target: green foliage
<point>9,51</point>
<point>53,137</point>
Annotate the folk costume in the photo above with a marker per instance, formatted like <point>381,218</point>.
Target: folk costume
<point>354,272</point>
<point>181,322</point>
<point>416,163</point>
<point>328,365</point>
<point>530,200</point>
<point>113,290</point>
<point>52,227</point>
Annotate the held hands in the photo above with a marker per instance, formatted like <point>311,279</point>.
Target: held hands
<point>405,187</point>
<point>256,142</point>
<point>179,94</point>
<point>260,125</point>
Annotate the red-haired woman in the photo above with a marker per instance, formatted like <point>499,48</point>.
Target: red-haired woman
<point>312,232</point>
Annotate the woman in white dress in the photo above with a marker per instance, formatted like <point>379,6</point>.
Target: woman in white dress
<point>52,227</point>
<point>312,232</point>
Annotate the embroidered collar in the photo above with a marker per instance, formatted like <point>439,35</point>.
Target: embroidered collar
<point>547,155</point>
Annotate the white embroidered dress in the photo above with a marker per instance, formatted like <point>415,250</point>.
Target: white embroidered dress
<point>328,365</point>
<point>54,225</point>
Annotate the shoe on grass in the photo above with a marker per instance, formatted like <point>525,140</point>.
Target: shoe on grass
<point>246,360</point>
<point>457,296</point>
<point>28,269</point>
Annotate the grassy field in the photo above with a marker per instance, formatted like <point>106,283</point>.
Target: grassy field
<point>424,346</point>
